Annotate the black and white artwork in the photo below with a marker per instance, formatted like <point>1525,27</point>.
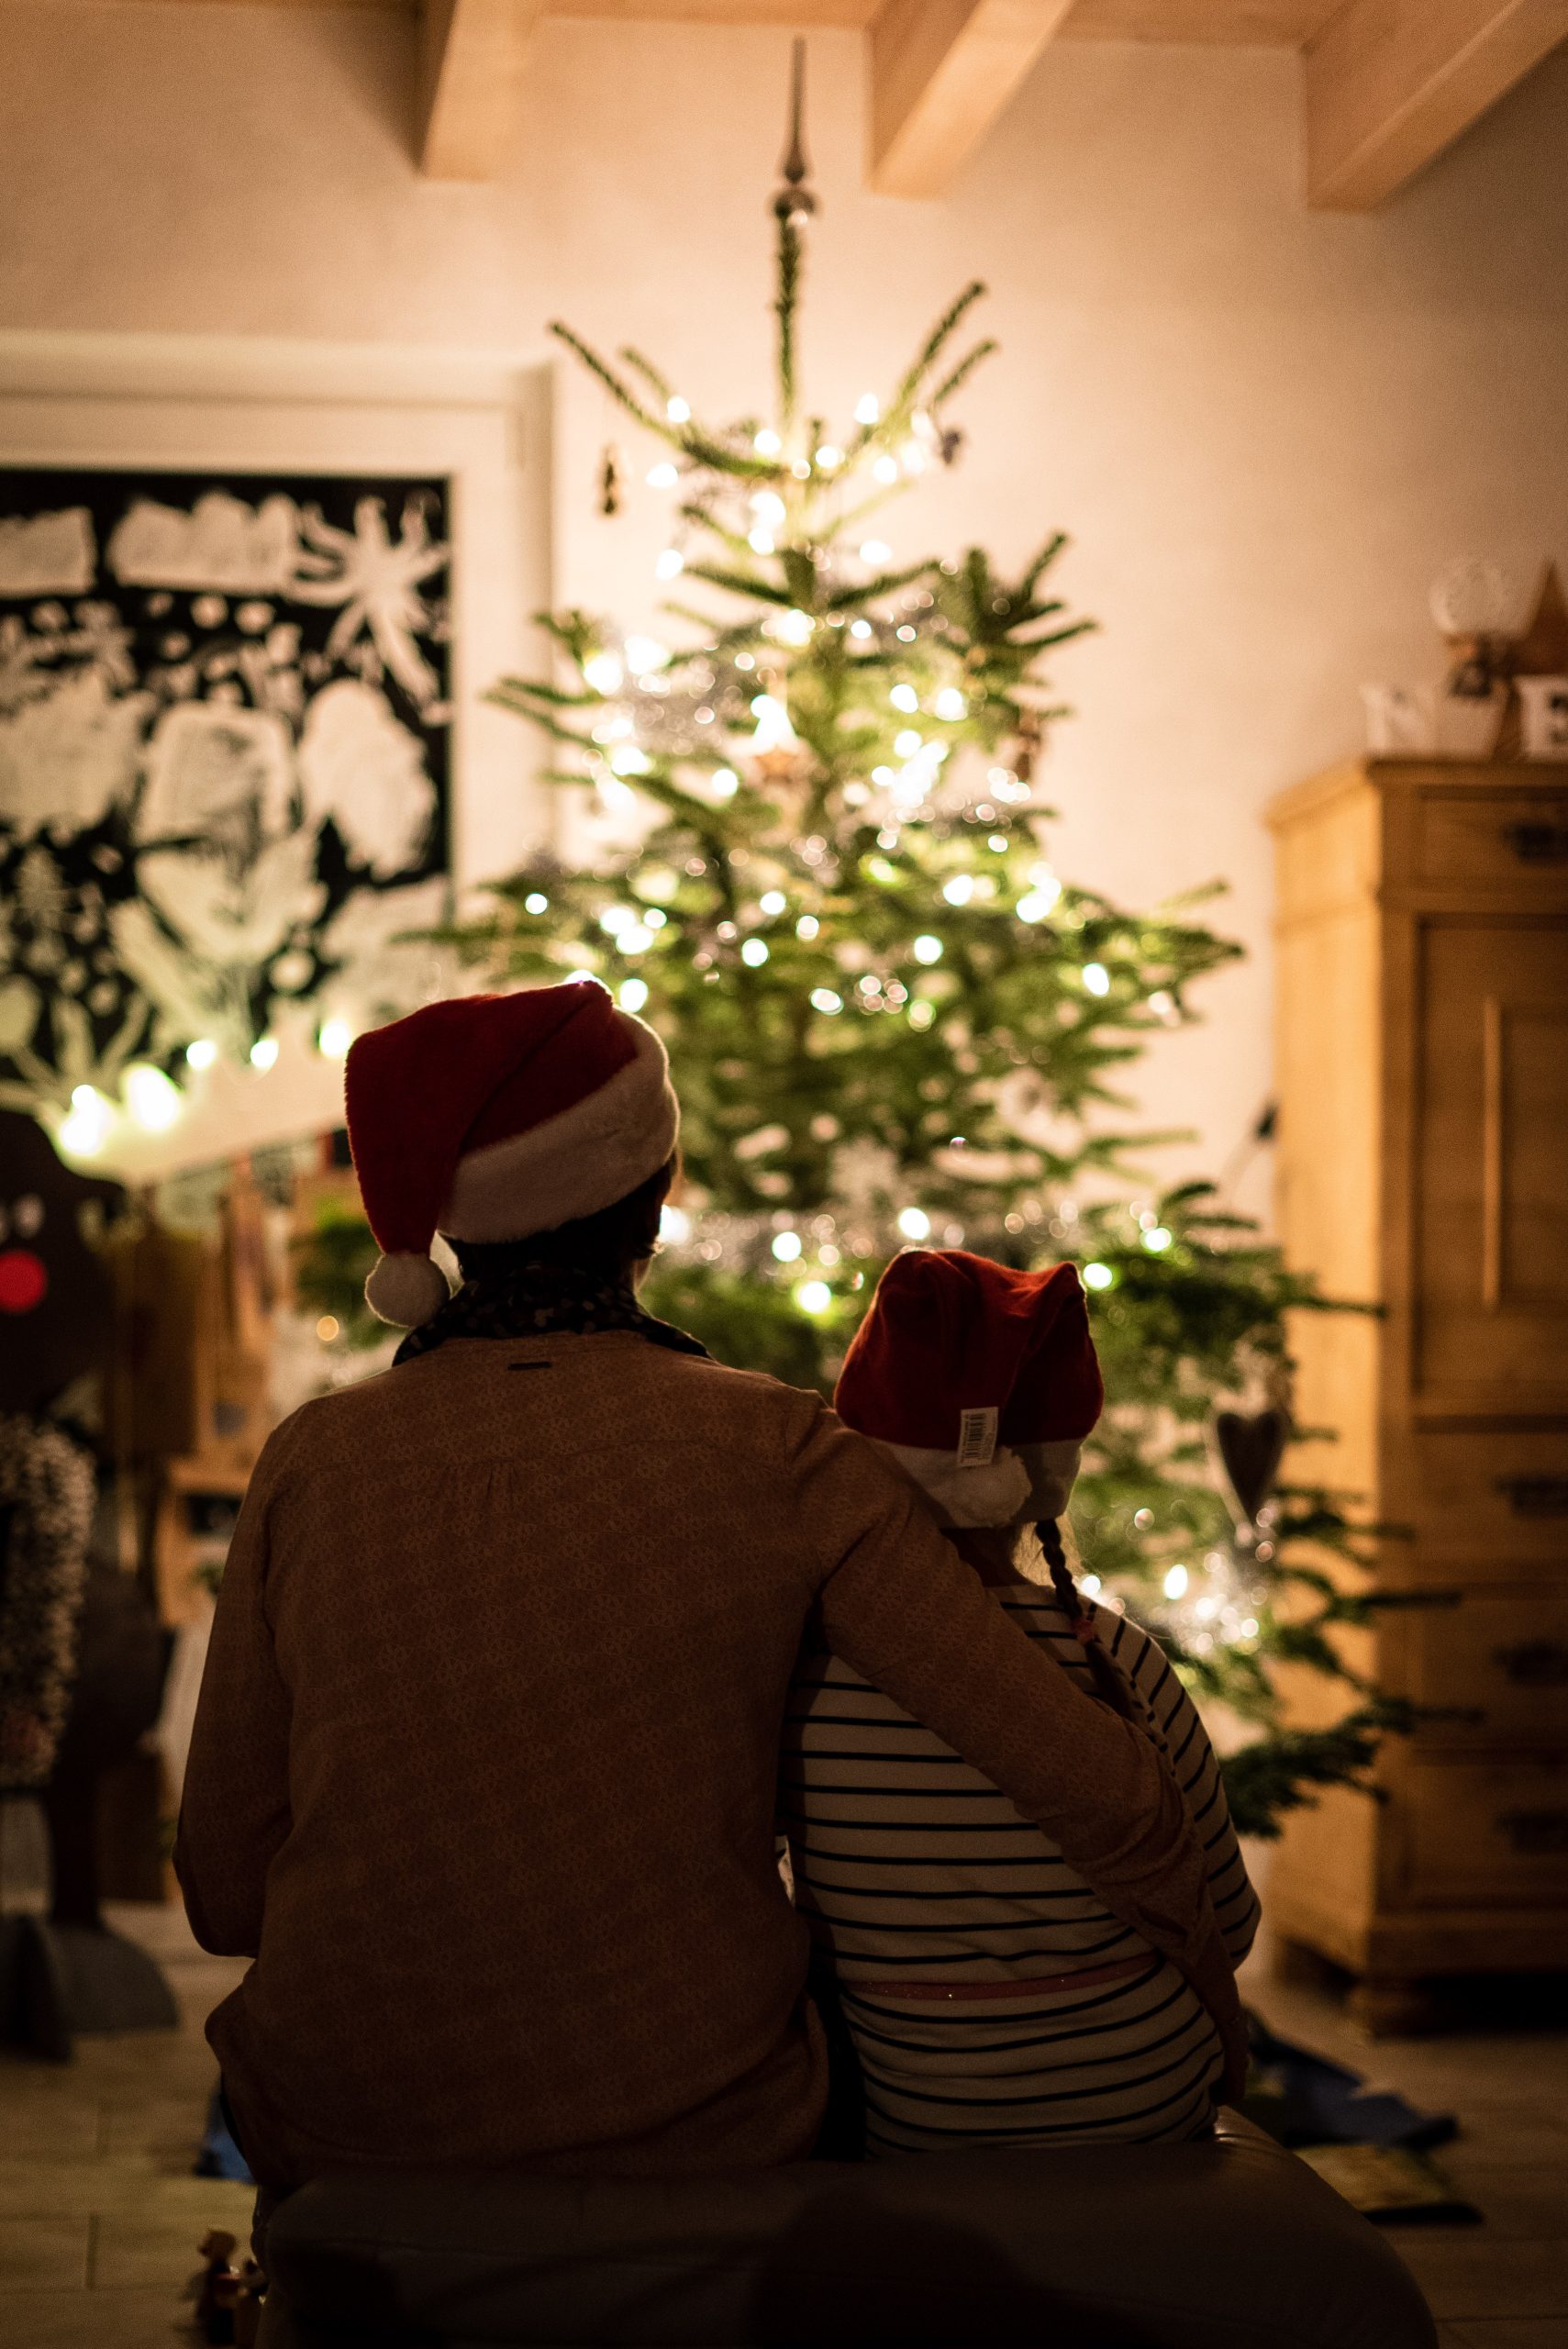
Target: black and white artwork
<point>225,718</point>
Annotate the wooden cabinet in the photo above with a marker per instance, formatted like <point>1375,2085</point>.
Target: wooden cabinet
<point>1423,1169</point>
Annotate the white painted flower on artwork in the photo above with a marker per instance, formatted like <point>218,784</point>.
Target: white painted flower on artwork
<point>362,768</point>
<point>235,915</point>
<point>47,555</point>
<point>69,755</point>
<point>377,582</point>
<point>222,546</point>
<point>221,774</point>
<point>20,1004</point>
<point>189,996</point>
<point>383,970</point>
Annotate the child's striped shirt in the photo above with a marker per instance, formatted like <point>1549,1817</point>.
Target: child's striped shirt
<point>922,1879</point>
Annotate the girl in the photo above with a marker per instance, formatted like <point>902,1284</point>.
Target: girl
<point>991,1997</point>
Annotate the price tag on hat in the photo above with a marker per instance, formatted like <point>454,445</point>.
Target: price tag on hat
<point>977,1437</point>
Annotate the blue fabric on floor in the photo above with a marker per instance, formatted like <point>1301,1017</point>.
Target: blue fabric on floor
<point>1303,2099</point>
<point>219,2155</point>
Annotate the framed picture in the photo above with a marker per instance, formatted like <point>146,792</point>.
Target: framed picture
<point>249,603</point>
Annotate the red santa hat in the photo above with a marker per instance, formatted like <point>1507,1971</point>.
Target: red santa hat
<point>979,1381</point>
<point>496,1116</point>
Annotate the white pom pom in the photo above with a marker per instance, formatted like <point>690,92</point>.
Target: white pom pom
<point>405,1289</point>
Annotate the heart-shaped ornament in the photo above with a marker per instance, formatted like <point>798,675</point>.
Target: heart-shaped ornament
<point>1252,1445</point>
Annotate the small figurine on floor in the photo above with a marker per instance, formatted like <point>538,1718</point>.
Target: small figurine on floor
<point>228,2298</point>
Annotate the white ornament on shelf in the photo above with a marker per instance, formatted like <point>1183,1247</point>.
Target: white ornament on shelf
<point>1401,720</point>
<point>1544,706</point>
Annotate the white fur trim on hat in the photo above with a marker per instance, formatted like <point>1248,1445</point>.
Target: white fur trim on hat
<point>1014,1488</point>
<point>573,1165</point>
<point>407,1289</point>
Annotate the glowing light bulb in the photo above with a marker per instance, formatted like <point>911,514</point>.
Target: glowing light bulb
<point>1096,978</point>
<point>875,551</point>
<point>794,628</point>
<point>814,1298</point>
<point>754,953</point>
<point>1176,1583</point>
<point>627,759</point>
<point>85,1128</point>
<point>760,541</point>
<point>915,1223</point>
<point>202,1053</point>
<point>860,629</point>
<point>644,654</point>
<point>1036,907</point>
<point>670,563</point>
<point>786,1246</point>
<point>808,926</point>
<point>774,731</point>
<point>960,889</point>
<point>633,995</point>
<point>823,999</point>
<point>774,901</point>
<point>663,476</point>
<point>921,1014</point>
<point>604,672</point>
<point>912,457</point>
<point>264,1053</point>
<point>1090,1585</point>
<point>767,444</point>
<point>536,902</point>
<point>885,469</point>
<point>950,705</point>
<point>868,409</point>
<point>908,744</point>
<point>678,410</point>
<point>726,783</point>
<point>334,1040</point>
<point>1098,1275</point>
<point>615,918</point>
<point>905,698</point>
<point>1157,1240</point>
<point>927,950</point>
<point>830,458</point>
<point>152,1101</point>
<point>635,941</point>
<point>768,505</point>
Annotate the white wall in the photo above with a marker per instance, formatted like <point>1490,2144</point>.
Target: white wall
<point>1266,429</point>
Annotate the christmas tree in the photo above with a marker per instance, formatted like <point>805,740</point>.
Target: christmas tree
<point>892,1021</point>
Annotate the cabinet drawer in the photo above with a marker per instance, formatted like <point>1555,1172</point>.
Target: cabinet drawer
<point>1500,1659</point>
<point>1496,1501</point>
<point>1492,1829</point>
<point>1486,836</point>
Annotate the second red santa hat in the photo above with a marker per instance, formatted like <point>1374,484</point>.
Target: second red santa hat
<point>490,1117</point>
<point>981,1382</point>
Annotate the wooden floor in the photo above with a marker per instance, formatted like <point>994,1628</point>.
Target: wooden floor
<point>100,2217</point>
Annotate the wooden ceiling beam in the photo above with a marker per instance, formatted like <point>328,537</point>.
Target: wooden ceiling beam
<point>1389,84</point>
<point>941,72</point>
<point>470,78</point>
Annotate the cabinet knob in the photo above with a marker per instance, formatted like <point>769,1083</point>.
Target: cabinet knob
<point>1535,1663</point>
<point>1537,1834</point>
<point>1538,843</point>
<point>1535,1496</point>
